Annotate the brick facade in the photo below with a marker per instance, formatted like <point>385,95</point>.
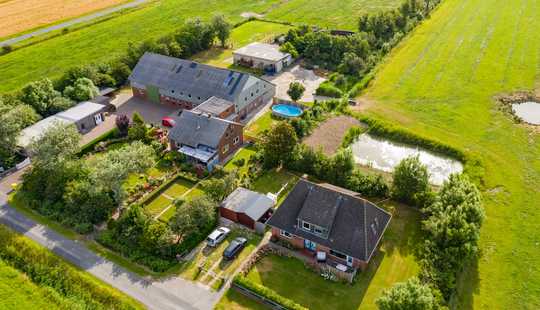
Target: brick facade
<point>298,243</point>
<point>227,145</point>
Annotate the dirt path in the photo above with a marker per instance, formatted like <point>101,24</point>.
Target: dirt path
<point>329,135</point>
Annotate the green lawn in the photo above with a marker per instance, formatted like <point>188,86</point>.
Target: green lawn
<point>18,292</point>
<point>272,181</point>
<point>158,204</point>
<point>232,300</point>
<point>261,124</point>
<point>249,32</point>
<point>244,153</point>
<point>440,82</point>
<point>393,263</point>
<point>178,188</point>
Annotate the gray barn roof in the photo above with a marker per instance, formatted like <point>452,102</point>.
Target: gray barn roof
<point>214,106</point>
<point>175,76</point>
<point>263,51</point>
<point>194,128</point>
<point>81,111</point>
<point>251,203</point>
<point>355,225</point>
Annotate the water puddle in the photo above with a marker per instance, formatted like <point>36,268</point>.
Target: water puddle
<point>385,155</point>
<point>529,112</point>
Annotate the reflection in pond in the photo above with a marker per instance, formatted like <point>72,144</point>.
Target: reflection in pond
<point>385,155</point>
<point>529,112</point>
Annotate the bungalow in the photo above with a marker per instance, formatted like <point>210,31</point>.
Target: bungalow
<point>205,139</point>
<point>186,84</point>
<point>266,57</point>
<point>247,208</point>
<point>331,223</point>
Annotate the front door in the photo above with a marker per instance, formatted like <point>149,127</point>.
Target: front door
<point>349,261</point>
<point>310,245</point>
<point>98,118</point>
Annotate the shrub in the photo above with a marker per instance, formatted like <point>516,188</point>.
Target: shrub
<point>410,181</point>
<point>411,295</point>
<point>240,162</point>
<point>267,293</point>
<point>328,90</point>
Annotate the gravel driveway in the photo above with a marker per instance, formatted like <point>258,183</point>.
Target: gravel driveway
<point>308,78</point>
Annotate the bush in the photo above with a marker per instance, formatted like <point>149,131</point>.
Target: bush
<point>267,293</point>
<point>410,181</point>
<point>352,134</point>
<point>328,90</point>
<point>240,162</point>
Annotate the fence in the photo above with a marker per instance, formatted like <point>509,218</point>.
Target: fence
<point>249,293</point>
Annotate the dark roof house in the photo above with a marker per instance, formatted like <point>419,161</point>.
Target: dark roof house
<point>332,220</point>
<point>204,138</point>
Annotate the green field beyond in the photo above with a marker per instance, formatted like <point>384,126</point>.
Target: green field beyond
<point>104,40</point>
<point>440,82</point>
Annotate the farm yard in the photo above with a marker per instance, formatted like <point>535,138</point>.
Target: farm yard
<point>440,82</point>
<point>329,135</point>
<point>18,16</point>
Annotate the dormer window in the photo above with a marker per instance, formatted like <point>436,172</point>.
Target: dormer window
<point>306,225</point>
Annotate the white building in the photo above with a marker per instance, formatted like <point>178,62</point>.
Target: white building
<point>266,57</point>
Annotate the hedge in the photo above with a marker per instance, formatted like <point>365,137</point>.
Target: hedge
<point>328,90</point>
<point>46,269</point>
<point>90,146</point>
<point>163,186</point>
<point>267,293</point>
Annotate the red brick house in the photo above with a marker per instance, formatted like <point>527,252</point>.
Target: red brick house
<point>205,139</point>
<point>322,218</point>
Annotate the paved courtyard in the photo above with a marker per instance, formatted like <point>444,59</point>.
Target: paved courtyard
<point>308,78</point>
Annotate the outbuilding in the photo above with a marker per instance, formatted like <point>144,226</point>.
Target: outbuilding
<point>266,57</point>
<point>85,115</point>
<point>247,207</point>
<point>35,131</point>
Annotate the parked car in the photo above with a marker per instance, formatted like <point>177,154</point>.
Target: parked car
<point>168,122</point>
<point>234,248</point>
<point>217,236</point>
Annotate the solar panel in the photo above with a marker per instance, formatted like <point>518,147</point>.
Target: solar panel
<point>236,84</point>
<point>178,70</point>
<point>193,65</point>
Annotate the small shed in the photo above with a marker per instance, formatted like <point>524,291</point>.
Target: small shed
<point>266,57</point>
<point>86,115</point>
<point>246,207</point>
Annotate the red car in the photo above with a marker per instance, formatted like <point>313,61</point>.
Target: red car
<point>168,122</point>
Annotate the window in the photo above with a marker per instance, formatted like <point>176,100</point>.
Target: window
<point>245,99</point>
<point>318,230</point>
<point>257,91</point>
<point>225,148</point>
<point>306,225</point>
<point>338,254</point>
<point>251,94</point>
<point>285,234</point>
<point>189,95</point>
<point>198,98</point>
<point>236,140</point>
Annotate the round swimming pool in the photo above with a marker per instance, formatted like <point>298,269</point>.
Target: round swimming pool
<point>286,110</point>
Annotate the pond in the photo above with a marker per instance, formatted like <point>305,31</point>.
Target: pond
<point>529,112</point>
<point>385,155</point>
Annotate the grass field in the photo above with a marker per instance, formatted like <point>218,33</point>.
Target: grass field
<point>440,82</point>
<point>22,15</point>
<point>394,262</point>
<point>106,39</point>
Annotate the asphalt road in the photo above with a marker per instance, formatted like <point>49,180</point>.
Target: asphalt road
<point>171,293</point>
<point>72,22</point>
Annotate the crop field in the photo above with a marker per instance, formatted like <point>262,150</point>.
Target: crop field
<point>22,15</point>
<point>104,40</point>
<point>440,82</point>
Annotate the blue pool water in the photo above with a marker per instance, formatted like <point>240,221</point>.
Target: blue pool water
<point>285,110</point>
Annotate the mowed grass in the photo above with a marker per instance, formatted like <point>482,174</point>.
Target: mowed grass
<point>440,82</point>
<point>394,262</point>
<point>335,14</point>
<point>244,153</point>
<point>254,31</point>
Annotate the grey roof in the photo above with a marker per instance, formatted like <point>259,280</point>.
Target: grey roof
<point>355,224</point>
<point>175,76</point>
<point>35,131</point>
<point>194,128</point>
<point>81,111</point>
<point>251,203</point>
<point>214,106</point>
<point>263,51</point>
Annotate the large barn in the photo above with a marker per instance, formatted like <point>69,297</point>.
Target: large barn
<point>186,84</point>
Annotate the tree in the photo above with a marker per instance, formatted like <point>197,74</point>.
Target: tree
<point>410,295</point>
<point>351,64</point>
<point>110,170</point>
<point>410,181</point>
<point>287,47</point>
<point>194,216</point>
<point>339,168</point>
<point>222,28</point>
<point>60,104</point>
<point>452,231</point>
<point>83,89</point>
<point>219,188</point>
<point>278,144</point>
<point>39,95</point>
<point>59,143</point>
<point>296,91</point>
<point>12,121</point>
<point>137,131</point>
<point>122,123</point>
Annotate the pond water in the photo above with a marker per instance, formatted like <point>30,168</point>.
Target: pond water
<point>529,112</point>
<point>385,155</point>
